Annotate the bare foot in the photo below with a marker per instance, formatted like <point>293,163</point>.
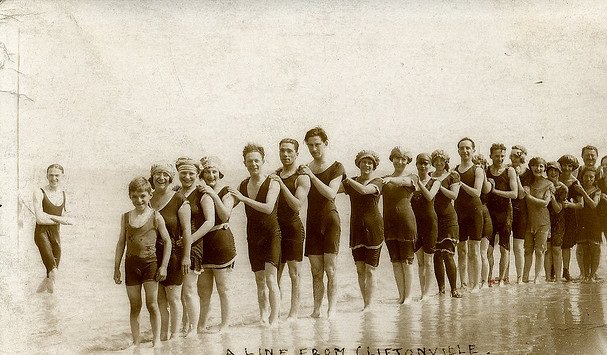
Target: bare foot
<point>407,300</point>
<point>43,286</point>
<point>330,314</point>
<point>315,314</point>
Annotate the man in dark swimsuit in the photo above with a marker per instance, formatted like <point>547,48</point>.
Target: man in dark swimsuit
<point>294,189</point>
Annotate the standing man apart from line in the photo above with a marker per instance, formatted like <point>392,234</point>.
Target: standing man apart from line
<point>322,223</point>
<point>294,188</point>
<point>259,194</point>
<point>49,207</point>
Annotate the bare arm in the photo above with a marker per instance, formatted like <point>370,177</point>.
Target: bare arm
<point>450,192</point>
<point>328,191</point>
<point>119,252</point>
<point>369,189</point>
<point>513,192</point>
<point>478,183</point>
<point>589,201</point>
<point>41,216</point>
<point>429,194</point>
<point>263,207</point>
<point>557,206</point>
<point>208,210</point>
<point>185,219</point>
<point>302,187</point>
<point>223,206</point>
<point>399,180</point>
<point>543,202</point>
<point>168,247</point>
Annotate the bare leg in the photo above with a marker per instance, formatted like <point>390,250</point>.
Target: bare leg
<point>408,284</point>
<point>370,285</point>
<point>462,262</point>
<point>420,271</point>
<point>192,301</point>
<point>579,256</point>
<point>595,255</point>
<point>173,294</point>
<point>163,307</point>
<point>399,277</point>
<point>330,262</point>
<point>222,279</point>
<point>439,271</point>
<point>566,252</point>
<point>557,261</point>
<point>484,274</point>
<point>539,263</point>
<point>490,262</point>
<point>362,279</point>
<point>205,289</point>
<point>271,278</point>
<point>548,261</point>
<point>262,296</point>
<point>134,293</point>
<point>295,276</point>
<point>519,256</point>
<point>504,264</point>
<point>151,302</point>
<point>474,263</point>
<point>318,285</point>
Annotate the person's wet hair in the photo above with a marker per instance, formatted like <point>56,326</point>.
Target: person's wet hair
<point>55,166</point>
<point>290,140</point>
<point>251,148</point>
<point>140,184</point>
<point>317,131</point>
<point>466,139</point>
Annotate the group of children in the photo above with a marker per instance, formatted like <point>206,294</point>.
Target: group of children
<point>179,244</point>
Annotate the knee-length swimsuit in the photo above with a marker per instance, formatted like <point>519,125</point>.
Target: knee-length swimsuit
<point>448,229</point>
<point>366,225</point>
<point>538,221</point>
<point>519,209</point>
<point>500,210</point>
<point>173,225</point>
<point>589,224</point>
<point>322,223</point>
<point>291,228</point>
<point>46,236</point>
<point>218,245</point>
<point>263,232</point>
<point>469,209</point>
<point>198,220</point>
<point>140,264</point>
<point>557,220</point>
<point>426,220</point>
<point>487,224</point>
<point>400,230</point>
<point>570,236</point>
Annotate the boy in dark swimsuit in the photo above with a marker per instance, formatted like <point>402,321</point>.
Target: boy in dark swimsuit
<point>138,232</point>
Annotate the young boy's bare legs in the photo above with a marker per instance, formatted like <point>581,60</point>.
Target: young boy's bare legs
<point>192,301</point>
<point>222,279</point>
<point>134,293</point>
<point>462,262</point>
<point>205,289</point>
<point>474,263</point>
<point>318,285</point>
<point>163,308</point>
<point>271,278</point>
<point>151,302</point>
<point>330,264</point>
<point>262,296</point>
<point>519,257</point>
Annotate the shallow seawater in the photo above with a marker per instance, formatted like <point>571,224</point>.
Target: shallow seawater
<point>89,313</point>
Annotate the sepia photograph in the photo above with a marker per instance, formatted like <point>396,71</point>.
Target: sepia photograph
<point>303,177</point>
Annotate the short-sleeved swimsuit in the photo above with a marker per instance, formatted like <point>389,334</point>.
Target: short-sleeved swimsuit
<point>46,236</point>
<point>140,264</point>
<point>400,230</point>
<point>322,223</point>
<point>590,228</point>
<point>448,229</point>
<point>500,210</point>
<point>469,209</point>
<point>426,220</point>
<point>263,232</point>
<point>519,209</point>
<point>170,214</point>
<point>366,225</point>
<point>538,221</point>
<point>570,236</point>
<point>219,247</point>
<point>557,220</point>
<point>291,228</point>
<point>197,221</point>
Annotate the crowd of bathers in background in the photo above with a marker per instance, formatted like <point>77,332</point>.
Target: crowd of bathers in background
<point>179,243</point>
